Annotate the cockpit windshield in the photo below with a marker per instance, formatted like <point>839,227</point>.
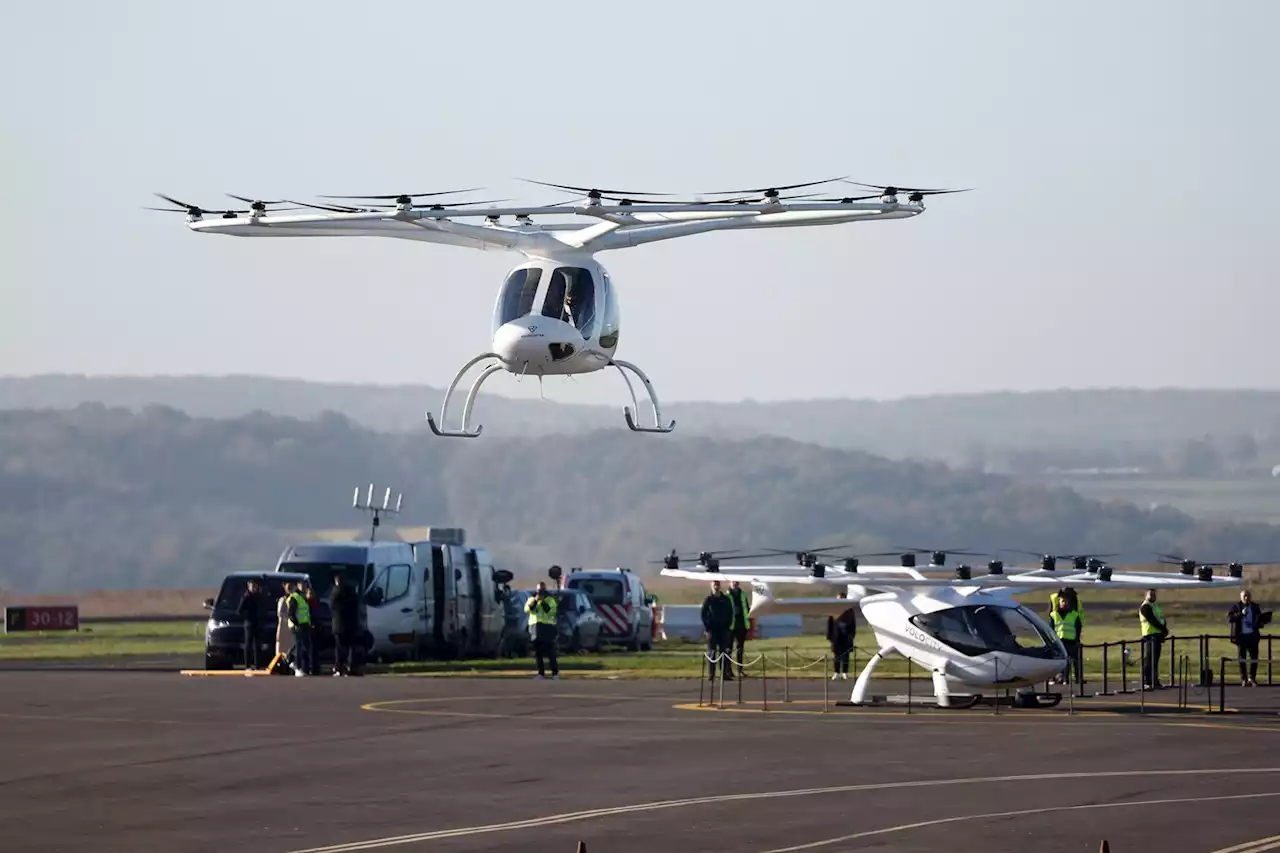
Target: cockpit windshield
<point>518,293</point>
<point>571,296</point>
<point>983,628</point>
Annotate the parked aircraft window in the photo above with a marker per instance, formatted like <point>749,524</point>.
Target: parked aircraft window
<point>980,629</point>
<point>518,293</point>
<point>599,590</point>
<point>398,578</point>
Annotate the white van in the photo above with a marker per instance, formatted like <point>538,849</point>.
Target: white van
<point>625,608</point>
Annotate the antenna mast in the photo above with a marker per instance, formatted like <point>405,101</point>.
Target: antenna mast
<point>369,506</point>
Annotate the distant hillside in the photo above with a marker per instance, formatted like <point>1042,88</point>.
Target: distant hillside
<point>1176,432</point>
<point>96,497</point>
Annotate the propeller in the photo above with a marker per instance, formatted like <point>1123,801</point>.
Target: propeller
<point>399,198</point>
<point>773,190</point>
<point>1079,562</point>
<point>937,556</point>
<point>190,209</point>
<point>342,208</point>
<point>591,192</point>
<point>1188,566</point>
<point>624,200</point>
<point>915,194</point>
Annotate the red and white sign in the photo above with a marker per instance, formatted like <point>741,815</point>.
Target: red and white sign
<point>24,618</point>
<point>616,618</point>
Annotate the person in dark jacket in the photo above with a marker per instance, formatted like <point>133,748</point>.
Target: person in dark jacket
<point>1247,620</point>
<point>252,605</point>
<point>717,620</point>
<point>840,633</point>
<point>344,604</point>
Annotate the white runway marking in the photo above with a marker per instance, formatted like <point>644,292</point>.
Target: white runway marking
<point>571,817</point>
<point>1022,813</point>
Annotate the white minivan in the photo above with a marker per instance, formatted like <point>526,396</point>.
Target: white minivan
<point>625,608</point>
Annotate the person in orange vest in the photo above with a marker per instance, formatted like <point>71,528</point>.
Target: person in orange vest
<point>741,623</point>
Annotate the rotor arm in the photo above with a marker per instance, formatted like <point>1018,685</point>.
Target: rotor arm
<point>486,235</point>
<point>638,235</point>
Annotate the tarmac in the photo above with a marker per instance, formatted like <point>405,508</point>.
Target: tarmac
<point>120,760</point>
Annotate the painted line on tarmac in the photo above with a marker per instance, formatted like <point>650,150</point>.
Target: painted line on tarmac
<point>1256,846</point>
<point>572,817</point>
<point>871,833</point>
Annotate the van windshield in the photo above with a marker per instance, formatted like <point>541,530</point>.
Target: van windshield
<point>321,575</point>
<point>600,590</point>
<point>233,590</point>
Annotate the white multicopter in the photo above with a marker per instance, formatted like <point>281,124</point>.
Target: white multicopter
<point>557,313</point>
<point>966,631</point>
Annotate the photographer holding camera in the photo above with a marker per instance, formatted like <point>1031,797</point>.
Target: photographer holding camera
<point>542,624</point>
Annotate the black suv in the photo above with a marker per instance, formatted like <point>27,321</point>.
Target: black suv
<point>224,634</point>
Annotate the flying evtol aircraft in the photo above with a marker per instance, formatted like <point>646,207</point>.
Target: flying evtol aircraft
<point>557,313</point>
<point>967,631</point>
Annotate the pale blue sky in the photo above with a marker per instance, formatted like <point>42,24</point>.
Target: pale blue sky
<point>1122,232</point>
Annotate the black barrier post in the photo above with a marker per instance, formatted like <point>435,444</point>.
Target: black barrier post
<point>702,684</point>
<point>741,678</point>
<point>764,678</point>
<point>1173,656</point>
<point>1142,681</point>
<point>997,695</point>
<point>1124,670</point>
<point>909,677</point>
<point>1268,661</point>
<point>1222,687</point>
<point>826,683</point>
<point>1106,653</point>
<point>786,674</point>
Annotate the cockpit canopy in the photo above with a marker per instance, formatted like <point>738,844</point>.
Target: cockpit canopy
<point>980,629</point>
<point>574,294</point>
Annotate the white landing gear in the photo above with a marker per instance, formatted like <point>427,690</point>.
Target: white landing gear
<point>627,411</point>
<point>859,694</point>
<point>465,431</point>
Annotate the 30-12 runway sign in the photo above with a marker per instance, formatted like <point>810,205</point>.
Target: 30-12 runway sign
<point>41,619</point>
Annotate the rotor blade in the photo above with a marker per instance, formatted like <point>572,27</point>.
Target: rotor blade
<point>903,189</point>
<point>461,203</point>
<point>589,189</point>
<point>395,196</point>
<point>252,200</point>
<point>777,187</point>
<point>183,204</point>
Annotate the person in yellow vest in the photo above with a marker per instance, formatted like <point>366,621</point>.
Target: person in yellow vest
<point>741,625</point>
<point>1074,597</point>
<point>1066,624</point>
<point>542,625</point>
<point>300,624</point>
<point>1154,630</point>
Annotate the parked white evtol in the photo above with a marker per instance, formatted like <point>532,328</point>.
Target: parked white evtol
<point>433,598</point>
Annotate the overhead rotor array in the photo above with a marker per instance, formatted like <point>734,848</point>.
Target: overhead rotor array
<point>817,566</point>
<point>766,195</point>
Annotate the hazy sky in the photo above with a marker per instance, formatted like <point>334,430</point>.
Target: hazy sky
<point>1123,231</point>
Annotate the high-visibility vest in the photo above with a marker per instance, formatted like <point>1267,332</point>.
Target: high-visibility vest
<point>739,596</point>
<point>1149,628</point>
<point>536,614</point>
<point>1067,625</point>
<point>304,609</point>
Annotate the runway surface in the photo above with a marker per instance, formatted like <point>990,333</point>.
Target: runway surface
<point>127,761</point>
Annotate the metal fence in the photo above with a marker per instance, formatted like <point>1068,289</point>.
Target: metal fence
<point>1186,671</point>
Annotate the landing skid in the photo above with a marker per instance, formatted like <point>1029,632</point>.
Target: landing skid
<point>629,412</point>
<point>465,431</point>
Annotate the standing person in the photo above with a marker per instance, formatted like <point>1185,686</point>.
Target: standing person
<point>741,623</point>
<point>1154,630</point>
<point>1246,620</point>
<point>284,636</point>
<point>1066,624</point>
<point>717,619</point>
<point>345,607</point>
<point>300,624</point>
<point>542,624</point>
<point>252,603</point>
<point>841,631</point>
